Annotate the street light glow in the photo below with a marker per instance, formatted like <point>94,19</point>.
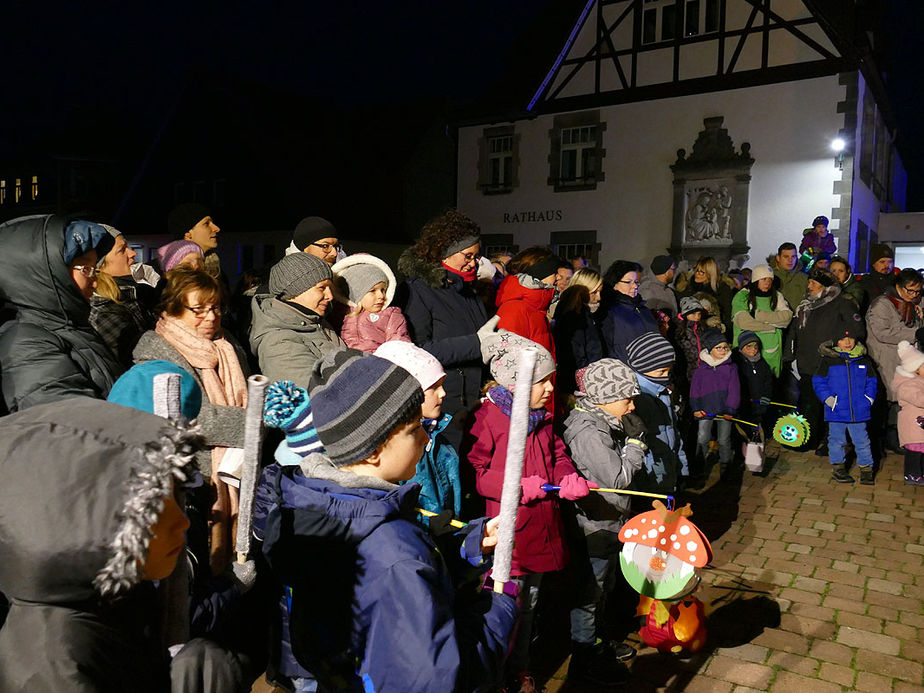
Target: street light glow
<point>838,144</point>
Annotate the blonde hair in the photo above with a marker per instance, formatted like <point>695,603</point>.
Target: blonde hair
<point>708,265</point>
<point>586,277</point>
<point>107,288</point>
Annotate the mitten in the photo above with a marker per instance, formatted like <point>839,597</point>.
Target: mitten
<point>831,402</point>
<point>489,328</point>
<point>532,488</point>
<point>574,486</point>
<point>440,524</point>
<point>634,427</point>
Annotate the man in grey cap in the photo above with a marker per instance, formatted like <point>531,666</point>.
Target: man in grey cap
<point>656,289</point>
<point>289,333</point>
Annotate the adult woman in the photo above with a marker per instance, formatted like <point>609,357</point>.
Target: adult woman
<point>442,310</point>
<point>627,316</point>
<point>48,272</point>
<point>711,288</point>
<point>525,294</point>
<point>116,311</point>
<point>576,335</point>
<point>179,253</point>
<point>762,309</point>
<point>188,334</point>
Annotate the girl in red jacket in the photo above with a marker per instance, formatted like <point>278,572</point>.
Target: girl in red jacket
<point>539,536</point>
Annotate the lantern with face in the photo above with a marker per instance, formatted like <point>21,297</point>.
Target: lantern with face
<point>791,430</point>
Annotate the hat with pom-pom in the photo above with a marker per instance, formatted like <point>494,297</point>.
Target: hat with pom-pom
<point>911,358</point>
<point>288,407</point>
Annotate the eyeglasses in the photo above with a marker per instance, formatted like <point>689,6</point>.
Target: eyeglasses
<point>470,256</point>
<point>628,281</point>
<point>86,270</point>
<point>327,246</point>
<point>913,292</point>
<point>722,348</point>
<point>202,311</point>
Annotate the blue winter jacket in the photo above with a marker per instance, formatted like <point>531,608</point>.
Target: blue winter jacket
<point>666,458</point>
<point>850,379</point>
<point>372,606</point>
<point>626,318</point>
<point>438,471</point>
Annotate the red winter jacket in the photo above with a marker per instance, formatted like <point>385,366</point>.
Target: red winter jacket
<point>539,544</point>
<point>523,311</point>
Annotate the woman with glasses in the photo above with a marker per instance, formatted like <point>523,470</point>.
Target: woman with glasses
<point>892,317</point>
<point>188,334</point>
<point>48,274</point>
<point>711,288</point>
<point>625,314</point>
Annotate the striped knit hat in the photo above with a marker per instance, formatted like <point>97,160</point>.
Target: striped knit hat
<point>287,407</point>
<point>649,352</point>
<point>359,403</point>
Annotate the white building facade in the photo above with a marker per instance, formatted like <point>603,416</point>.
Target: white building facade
<point>753,91</point>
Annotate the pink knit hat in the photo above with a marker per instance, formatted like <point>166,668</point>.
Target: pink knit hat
<point>171,254</point>
<point>911,358</point>
<point>421,364</point>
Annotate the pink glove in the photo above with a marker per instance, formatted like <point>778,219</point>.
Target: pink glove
<point>532,489</point>
<point>575,486</point>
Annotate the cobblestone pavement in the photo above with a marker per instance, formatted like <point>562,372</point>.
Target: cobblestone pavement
<point>815,586</point>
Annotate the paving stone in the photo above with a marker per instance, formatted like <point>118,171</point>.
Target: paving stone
<point>807,626</point>
<point>857,501</point>
<point>886,665</point>
<point>846,566</point>
<point>886,586</point>
<point>707,684</point>
<point>840,604</point>
<point>867,623</point>
<point>822,613</point>
<point>880,517</point>
<point>810,584</point>
<point>913,649</point>
<point>904,687</point>
<point>915,548</point>
<point>826,526</point>
<point>740,672</point>
<point>900,603</point>
<point>782,640</point>
<point>836,674</point>
<point>846,592</point>
<point>799,548</point>
<point>788,682</point>
<point>808,532</point>
<point>912,618</point>
<point>839,576</point>
<point>900,631</point>
<point>748,652</point>
<point>800,595</point>
<point>793,662</point>
<point>865,640</point>
<point>832,652</point>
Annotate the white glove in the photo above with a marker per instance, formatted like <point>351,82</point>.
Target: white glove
<point>869,398</point>
<point>831,402</point>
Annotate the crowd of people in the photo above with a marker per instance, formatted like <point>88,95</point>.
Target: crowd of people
<point>389,419</point>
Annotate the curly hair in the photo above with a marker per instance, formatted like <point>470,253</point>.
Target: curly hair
<point>439,233</point>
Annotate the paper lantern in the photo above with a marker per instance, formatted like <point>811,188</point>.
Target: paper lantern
<point>791,430</point>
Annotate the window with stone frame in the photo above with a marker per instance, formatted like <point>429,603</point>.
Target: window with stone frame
<point>495,243</point>
<point>498,160</point>
<point>571,244</point>
<point>576,157</point>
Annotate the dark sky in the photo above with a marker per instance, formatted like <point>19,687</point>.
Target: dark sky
<point>129,59</point>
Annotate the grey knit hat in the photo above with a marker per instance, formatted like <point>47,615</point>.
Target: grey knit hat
<point>362,400</point>
<point>461,244</point>
<point>605,381</point>
<point>358,273</point>
<point>650,351</point>
<point>688,305</point>
<point>296,273</point>
<point>501,350</point>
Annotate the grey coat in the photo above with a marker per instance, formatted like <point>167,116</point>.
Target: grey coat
<point>221,425</point>
<point>600,456</point>
<point>885,330</point>
<point>658,296</point>
<point>288,342</point>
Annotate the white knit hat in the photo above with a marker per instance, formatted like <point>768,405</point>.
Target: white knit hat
<point>911,358</point>
<point>423,365</point>
<point>761,272</point>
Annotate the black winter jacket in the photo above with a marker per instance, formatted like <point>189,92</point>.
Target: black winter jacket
<point>818,321</point>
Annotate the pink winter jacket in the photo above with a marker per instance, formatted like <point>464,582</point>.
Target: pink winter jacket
<point>909,391</point>
<point>368,331</point>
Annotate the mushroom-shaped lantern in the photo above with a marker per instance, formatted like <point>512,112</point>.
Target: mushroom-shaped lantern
<point>660,550</point>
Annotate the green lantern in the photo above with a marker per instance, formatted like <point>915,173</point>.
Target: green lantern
<point>791,430</point>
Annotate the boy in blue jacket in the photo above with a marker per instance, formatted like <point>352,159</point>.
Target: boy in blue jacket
<point>846,383</point>
<point>371,602</point>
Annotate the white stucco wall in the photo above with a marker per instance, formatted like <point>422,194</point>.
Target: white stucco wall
<point>789,127</point>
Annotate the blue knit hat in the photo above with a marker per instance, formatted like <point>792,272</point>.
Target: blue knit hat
<point>288,407</point>
<point>747,337</point>
<point>83,236</point>
<point>135,388</point>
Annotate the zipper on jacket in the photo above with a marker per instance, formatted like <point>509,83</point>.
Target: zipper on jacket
<point>849,389</point>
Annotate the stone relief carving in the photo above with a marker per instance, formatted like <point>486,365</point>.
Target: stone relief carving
<point>707,217</point>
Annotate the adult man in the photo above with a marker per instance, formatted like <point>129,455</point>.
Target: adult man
<point>656,289</point>
<point>563,275</point>
<point>193,222</point>
<point>850,286</point>
<point>316,236</point>
<point>788,269</point>
<point>881,276</point>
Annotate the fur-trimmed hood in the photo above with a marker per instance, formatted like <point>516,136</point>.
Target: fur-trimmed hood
<point>84,482</point>
<point>412,266</point>
<point>343,292</point>
<point>827,350</point>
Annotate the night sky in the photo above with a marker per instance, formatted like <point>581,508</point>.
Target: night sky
<point>122,61</point>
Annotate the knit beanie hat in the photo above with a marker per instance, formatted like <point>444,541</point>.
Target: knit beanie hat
<point>360,404</point>
<point>311,229</point>
<point>712,338</point>
<point>747,337</point>
<point>648,352</point>
<point>605,381</point>
<point>296,273</point>
<point>288,407</point>
<point>911,358</point>
<point>83,236</point>
<point>171,254</point>
<point>821,219</point>
<point>135,388</point>
<point>846,329</point>
<point>661,264</point>
<point>357,274</point>
<point>761,272</point>
<point>877,251</point>
<point>501,351</point>
<point>545,267</point>
<point>688,305</point>
<point>183,217</point>
<point>423,365</point>
<point>826,279</point>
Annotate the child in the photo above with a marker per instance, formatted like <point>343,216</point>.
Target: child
<point>651,357</point>
<point>846,383</point>
<point>538,545</point>
<point>715,391</point>
<point>817,239</point>
<point>597,432</point>
<point>438,469</point>
<point>689,331</point>
<point>367,285</point>
<point>756,377</point>
<point>908,386</point>
<point>80,555</point>
<point>371,603</point>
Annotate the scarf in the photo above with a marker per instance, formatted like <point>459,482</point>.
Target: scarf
<point>810,303</point>
<point>503,398</point>
<point>614,423</point>
<point>466,276</point>
<point>908,311</point>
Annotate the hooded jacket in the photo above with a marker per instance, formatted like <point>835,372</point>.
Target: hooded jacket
<point>288,342</point>
<point>374,605</point>
<point>814,322</point>
<point>850,379</point>
<point>443,314</point>
<point>81,619</point>
<point>438,471</point>
<point>627,317</point>
<point>886,330</point>
<point>364,330</point>
<point>714,387</point>
<point>49,351</point>
<point>909,391</point>
<point>722,294</point>
<point>522,306</point>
